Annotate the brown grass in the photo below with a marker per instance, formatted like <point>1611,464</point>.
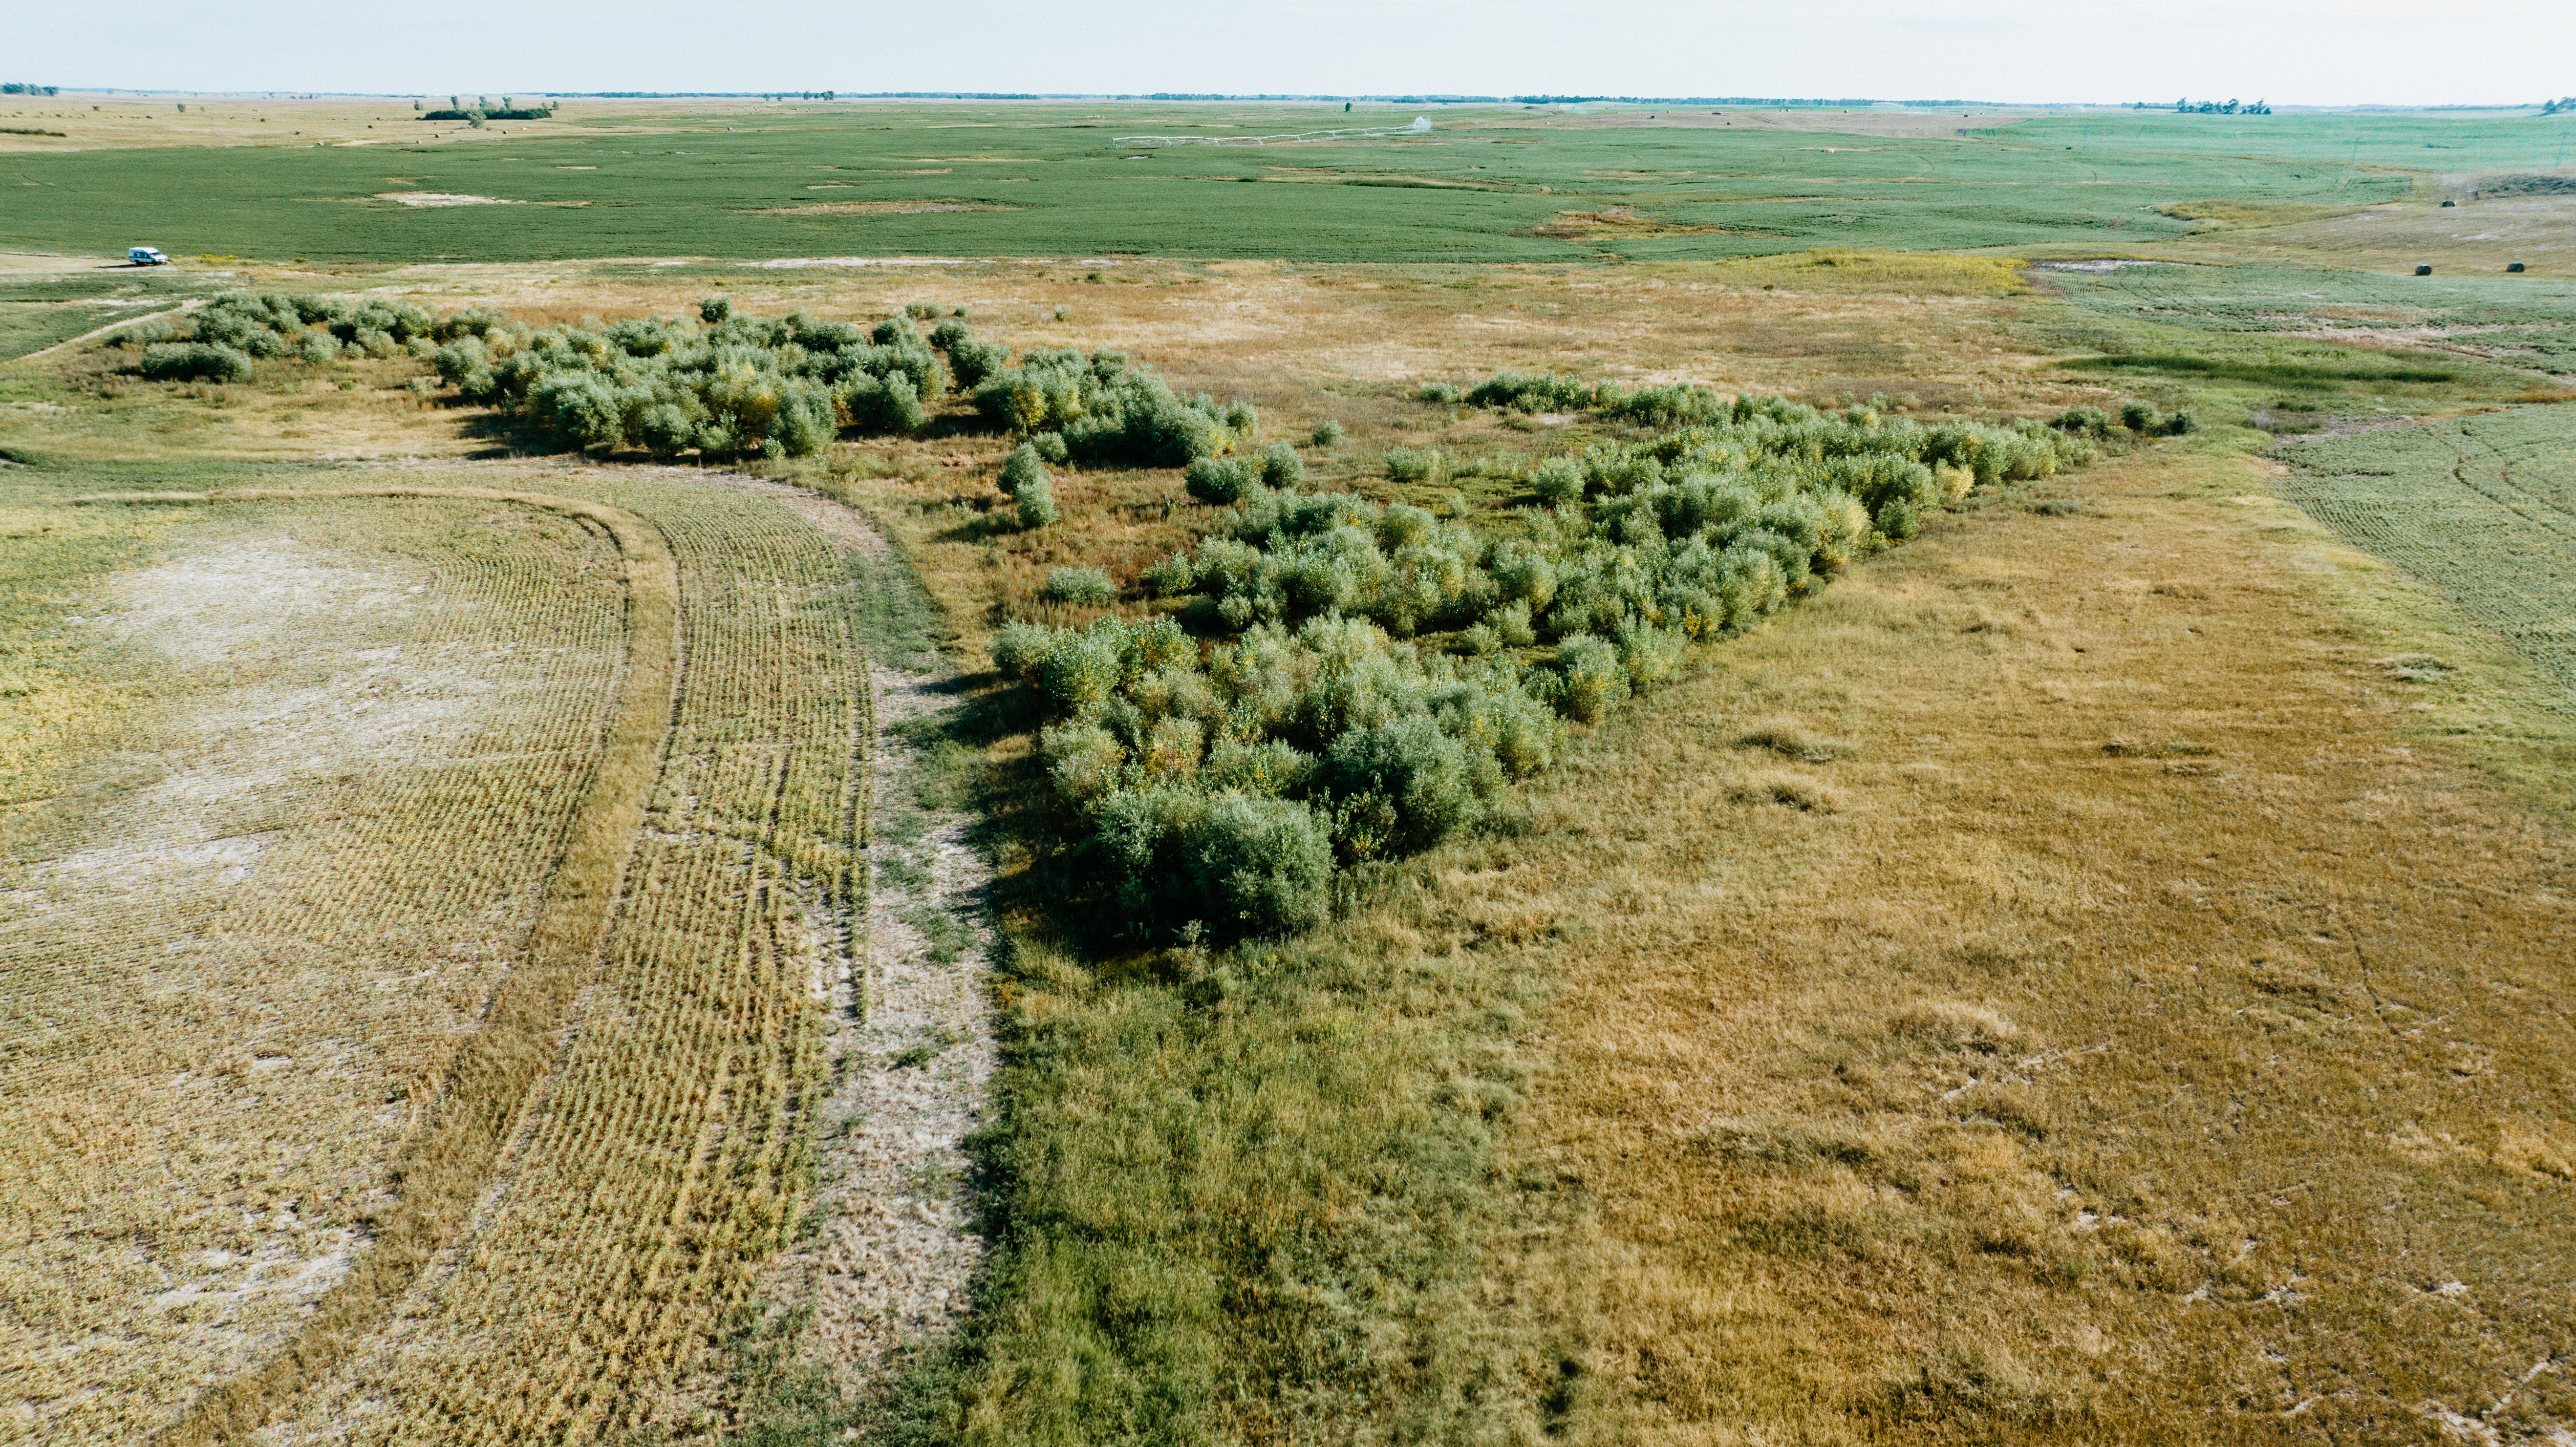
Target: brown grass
<point>446,1165</point>
<point>2041,1090</point>
<point>2054,986</point>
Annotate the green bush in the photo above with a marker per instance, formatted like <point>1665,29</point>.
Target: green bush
<point>1089,587</point>
<point>1406,464</point>
<point>1036,504</point>
<point>195,362</point>
<point>1107,411</point>
<point>2138,417</point>
<point>1281,467</point>
<point>1050,446</point>
<point>1536,392</point>
<point>1674,406</point>
<point>1259,866</point>
<point>2180,422</point>
<point>2090,420</point>
<point>1218,480</point>
<point>1558,480</point>
<point>1024,466</point>
<point>1328,433</point>
<point>1443,392</point>
<point>1594,681</point>
<point>1899,520</point>
<point>1398,788</point>
<point>725,385</point>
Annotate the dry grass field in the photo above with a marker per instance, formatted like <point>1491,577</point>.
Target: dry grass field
<point>466,847</point>
<point>2078,978</point>
<point>2056,988</point>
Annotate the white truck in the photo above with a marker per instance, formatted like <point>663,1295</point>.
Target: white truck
<point>145,256</point>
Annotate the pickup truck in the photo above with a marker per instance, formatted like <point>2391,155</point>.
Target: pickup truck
<point>145,256</point>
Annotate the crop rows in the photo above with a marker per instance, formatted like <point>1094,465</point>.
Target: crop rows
<point>663,1157</point>
<point>232,991</point>
<point>2483,508</point>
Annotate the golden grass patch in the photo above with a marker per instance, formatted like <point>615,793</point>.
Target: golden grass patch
<point>880,208</point>
<point>2224,211</point>
<point>2042,1090</point>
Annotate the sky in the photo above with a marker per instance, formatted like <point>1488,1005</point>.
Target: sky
<point>2291,52</point>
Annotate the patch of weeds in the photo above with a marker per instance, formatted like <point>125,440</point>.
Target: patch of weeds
<point>920,1053</point>
<point>946,935</point>
<point>1791,739</point>
<point>2166,749</point>
<point>2414,668</point>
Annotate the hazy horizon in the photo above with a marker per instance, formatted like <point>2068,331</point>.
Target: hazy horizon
<point>2309,53</point>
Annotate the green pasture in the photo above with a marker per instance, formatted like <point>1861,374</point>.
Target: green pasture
<point>1051,181</point>
<point>2526,322</point>
<point>2482,507</point>
<point>38,311</point>
<point>2412,140</point>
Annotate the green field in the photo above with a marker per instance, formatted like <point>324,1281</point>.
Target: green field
<point>1050,181</point>
<point>2412,140</point>
<point>36,312</point>
<point>2521,321</point>
<point>2481,507</point>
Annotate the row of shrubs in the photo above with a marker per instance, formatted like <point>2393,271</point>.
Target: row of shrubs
<point>1225,784</point>
<point>723,384</point>
<point>228,333</point>
<point>1096,408</point>
<point>2140,418</point>
<point>1684,404</point>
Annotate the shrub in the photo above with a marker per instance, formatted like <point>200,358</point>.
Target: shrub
<point>1328,433</point>
<point>2180,422</point>
<point>1107,411</point>
<point>1024,466</point>
<point>2089,420</point>
<point>195,362</point>
<point>1672,406</point>
<point>1317,701</point>
<point>1399,788</point>
<point>1089,587</point>
<point>1259,866</point>
<point>715,309</point>
<point>1535,392</point>
<point>1050,446</point>
<point>1281,467</point>
<point>1037,504</point>
<point>1595,680</point>
<point>1405,464</point>
<point>1436,392</point>
<point>2138,417</point>
<point>1218,481</point>
<point>1558,480</point>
